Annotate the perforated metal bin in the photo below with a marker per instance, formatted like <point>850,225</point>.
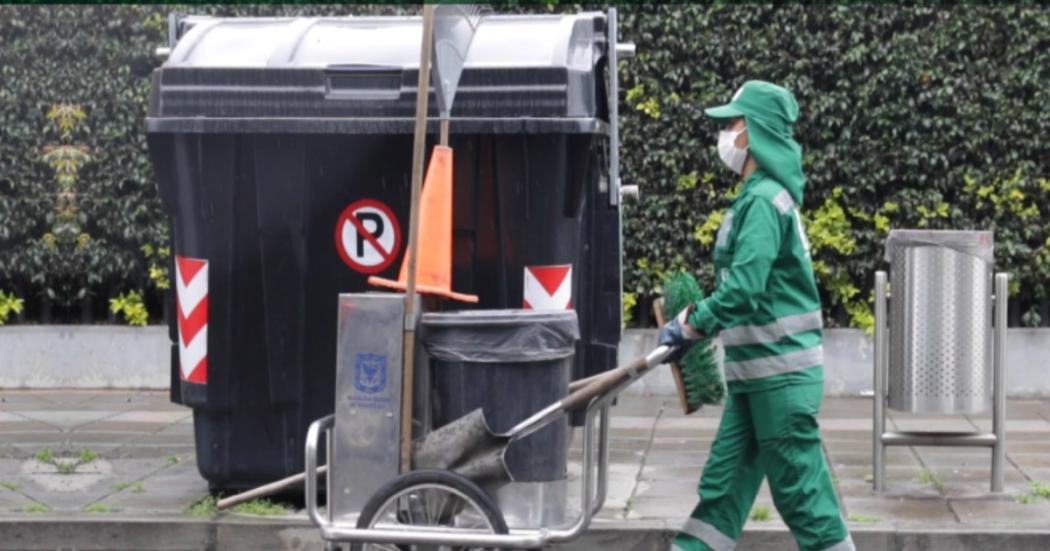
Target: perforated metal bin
<point>940,322</point>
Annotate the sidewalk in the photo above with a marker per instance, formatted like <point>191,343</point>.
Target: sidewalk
<point>134,495</point>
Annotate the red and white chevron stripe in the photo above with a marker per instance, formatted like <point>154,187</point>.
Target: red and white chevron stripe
<point>191,291</point>
<point>548,287</point>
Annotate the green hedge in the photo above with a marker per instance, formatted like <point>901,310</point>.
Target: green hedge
<point>911,117</point>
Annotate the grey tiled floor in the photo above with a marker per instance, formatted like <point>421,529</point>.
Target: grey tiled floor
<point>146,462</point>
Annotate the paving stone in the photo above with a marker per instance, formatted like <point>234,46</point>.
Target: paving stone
<point>850,435</point>
<point>137,400</point>
<point>684,458</point>
<point>66,419</point>
<point>954,457</point>
<point>899,508</point>
<point>845,407</point>
<point>615,456</point>
<point>665,426</point>
<point>685,474</point>
<point>1039,426</point>
<point>672,510</point>
<point>1004,511</point>
<point>942,424</point>
<point>22,425</point>
<point>894,456</point>
<point>171,489</point>
<point>647,408</point>
<point>666,488</point>
<point>1041,475</point>
<point>1031,460</point>
<point>678,442</point>
<point>641,423</point>
<point>16,400</point>
<point>833,425</point>
<point>51,438</point>
<point>164,440</point>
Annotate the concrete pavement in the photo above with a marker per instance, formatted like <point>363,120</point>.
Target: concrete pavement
<point>121,474</point>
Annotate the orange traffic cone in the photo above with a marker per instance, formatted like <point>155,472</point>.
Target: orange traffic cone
<point>434,265</point>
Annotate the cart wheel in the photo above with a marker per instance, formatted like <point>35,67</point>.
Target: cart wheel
<point>430,498</point>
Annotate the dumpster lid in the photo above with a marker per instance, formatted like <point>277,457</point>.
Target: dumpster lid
<point>980,244</point>
<point>302,74</point>
<point>500,41</point>
<point>500,336</point>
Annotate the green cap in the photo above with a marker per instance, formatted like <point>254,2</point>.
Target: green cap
<point>770,112</point>
<point>759,99</point>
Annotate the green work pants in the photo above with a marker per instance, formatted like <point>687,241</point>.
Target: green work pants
<point>771,433</point>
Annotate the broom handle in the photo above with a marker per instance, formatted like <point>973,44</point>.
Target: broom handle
<point>272,488</point>
<point>419,141</point>
<point>609,381</point>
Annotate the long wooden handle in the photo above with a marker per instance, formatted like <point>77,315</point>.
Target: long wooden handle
<point>600,386</point>
<point>610,380</point>
<point>580,383</point>
<point>419,141</point>
<point>268,489</point>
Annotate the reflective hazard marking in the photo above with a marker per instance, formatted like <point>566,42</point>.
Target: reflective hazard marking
<point>191,302</point>
<point>367,236</point>
<point>548,287</point>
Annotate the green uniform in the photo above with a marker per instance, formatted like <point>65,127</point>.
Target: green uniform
<point>767,312</point>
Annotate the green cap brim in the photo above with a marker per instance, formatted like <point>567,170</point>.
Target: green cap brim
<point>723,112</point>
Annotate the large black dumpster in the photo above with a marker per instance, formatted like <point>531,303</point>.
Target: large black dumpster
<point>282,149</point>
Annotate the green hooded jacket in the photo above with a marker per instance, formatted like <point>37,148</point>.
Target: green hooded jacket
<point>766,309</point>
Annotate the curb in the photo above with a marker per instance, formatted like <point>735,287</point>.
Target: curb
<point>234,533</point>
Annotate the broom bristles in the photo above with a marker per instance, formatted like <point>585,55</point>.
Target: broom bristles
<point>701,372</point>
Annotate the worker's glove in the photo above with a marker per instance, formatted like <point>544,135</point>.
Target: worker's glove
<point>679,335</point>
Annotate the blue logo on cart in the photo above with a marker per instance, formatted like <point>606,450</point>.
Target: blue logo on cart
<point>370,373</point>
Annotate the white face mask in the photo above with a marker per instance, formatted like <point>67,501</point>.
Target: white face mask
<point>730,154</point>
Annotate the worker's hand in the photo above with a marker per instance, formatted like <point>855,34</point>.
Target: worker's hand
<point>679,335</point>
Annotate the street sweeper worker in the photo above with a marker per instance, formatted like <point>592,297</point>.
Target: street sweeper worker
<point>767,312</point>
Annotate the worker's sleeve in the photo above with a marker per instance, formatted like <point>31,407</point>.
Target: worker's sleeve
<point>756,239</point>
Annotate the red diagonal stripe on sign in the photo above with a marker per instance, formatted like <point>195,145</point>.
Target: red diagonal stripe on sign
<point>369,237</point>
<point>189,267</point>
<point>190,325</point>
<point>550,277</point>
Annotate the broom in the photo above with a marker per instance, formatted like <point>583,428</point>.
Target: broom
<point>697,374</point>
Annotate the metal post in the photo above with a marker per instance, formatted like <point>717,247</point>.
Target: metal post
<point>1002,292</point>
<point>614,107</point>
<point>879,396</point>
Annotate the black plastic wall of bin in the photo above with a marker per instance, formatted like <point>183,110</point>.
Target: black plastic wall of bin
<point>262,209</point>
<point>497,388</point>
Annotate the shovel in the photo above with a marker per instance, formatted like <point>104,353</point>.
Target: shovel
<point>470,448</point>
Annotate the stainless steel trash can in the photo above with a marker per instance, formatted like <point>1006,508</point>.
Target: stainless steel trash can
<point>940,321</point>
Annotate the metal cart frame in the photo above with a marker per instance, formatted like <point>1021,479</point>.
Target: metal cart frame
<point>592,494</point>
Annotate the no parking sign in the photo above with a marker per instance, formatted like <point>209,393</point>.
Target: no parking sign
<point>367,236</point>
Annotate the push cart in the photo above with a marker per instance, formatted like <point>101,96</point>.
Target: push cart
<point>435,507</point>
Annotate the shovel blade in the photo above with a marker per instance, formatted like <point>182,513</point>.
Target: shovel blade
<point>466,446</point>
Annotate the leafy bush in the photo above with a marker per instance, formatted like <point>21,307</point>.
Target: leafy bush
<point>911,117</point>
<point>130,305</point>
<point>917,116</point>
<point>9,304</point>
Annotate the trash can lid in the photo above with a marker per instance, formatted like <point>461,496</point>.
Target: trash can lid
<point>980,244</point>
<point>250,71</point>
<point>504,336</point>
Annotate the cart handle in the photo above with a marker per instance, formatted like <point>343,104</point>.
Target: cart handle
<point>312,437</point>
